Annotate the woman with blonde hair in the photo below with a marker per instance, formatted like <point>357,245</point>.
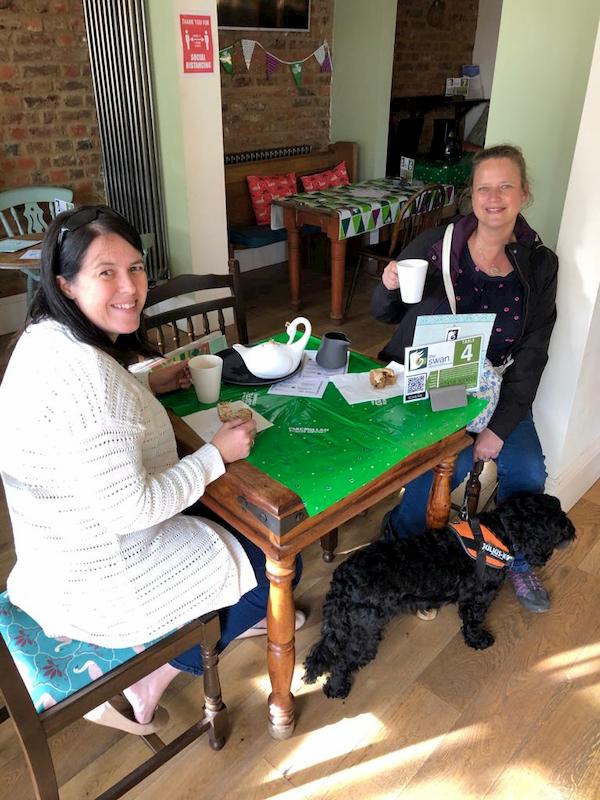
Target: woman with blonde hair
<point>498,264</point>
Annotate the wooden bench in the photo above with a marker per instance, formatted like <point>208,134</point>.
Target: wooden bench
<point>242,228</point>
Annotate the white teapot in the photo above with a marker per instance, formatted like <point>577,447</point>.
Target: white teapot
<point>272,360</point>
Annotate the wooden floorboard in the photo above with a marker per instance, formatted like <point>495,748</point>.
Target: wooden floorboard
<point>428,719</point>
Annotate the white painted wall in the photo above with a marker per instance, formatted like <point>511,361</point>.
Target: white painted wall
<point>484,51</point>
<point>191,142</point>
<point>565,410</point>
<point>541,73</point>
<point>363,58</point>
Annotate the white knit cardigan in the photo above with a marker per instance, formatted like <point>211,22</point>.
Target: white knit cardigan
<point>95,490</point>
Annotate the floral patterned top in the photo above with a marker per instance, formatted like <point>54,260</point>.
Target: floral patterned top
<point>477,292</point>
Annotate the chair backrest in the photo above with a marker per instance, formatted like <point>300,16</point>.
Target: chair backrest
<point>420,211</point>
<point>21,212</point>
<point>189,284</point>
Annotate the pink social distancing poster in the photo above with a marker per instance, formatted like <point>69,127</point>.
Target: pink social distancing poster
<point>196,39</point>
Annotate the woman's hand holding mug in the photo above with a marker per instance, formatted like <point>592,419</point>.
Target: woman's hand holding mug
<point>390,276</point>
<point>168,379</point>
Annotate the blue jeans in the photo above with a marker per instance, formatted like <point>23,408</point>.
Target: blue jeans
<point>520,467</point>
<point>249,609</point>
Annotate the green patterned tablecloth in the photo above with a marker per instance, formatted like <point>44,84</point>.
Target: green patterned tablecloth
<point>325,449</point>
<point>438,171</point>
<point>361,207</point>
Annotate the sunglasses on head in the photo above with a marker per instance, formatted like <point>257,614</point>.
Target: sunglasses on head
<point>78,220</point>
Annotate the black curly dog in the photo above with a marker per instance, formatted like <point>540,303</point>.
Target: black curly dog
<point>385,579</point>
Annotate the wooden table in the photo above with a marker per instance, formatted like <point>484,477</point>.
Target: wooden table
<point>341,213</point>
<point>29,267</point>
<point>275,519</point>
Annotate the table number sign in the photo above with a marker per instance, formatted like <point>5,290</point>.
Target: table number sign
<point>455,362</point>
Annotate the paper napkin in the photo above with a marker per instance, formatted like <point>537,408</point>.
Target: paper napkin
<point>206,423</point>
<point>356,387</point>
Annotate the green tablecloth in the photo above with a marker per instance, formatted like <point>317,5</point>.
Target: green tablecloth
<point>325,449</point>
<point>439,171</point>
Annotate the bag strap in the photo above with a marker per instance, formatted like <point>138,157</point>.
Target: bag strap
<point>446,245</point>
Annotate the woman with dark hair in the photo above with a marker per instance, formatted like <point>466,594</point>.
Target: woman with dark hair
<point>94,486</point>
<point>499,265</point>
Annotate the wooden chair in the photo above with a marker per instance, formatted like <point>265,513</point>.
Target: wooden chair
<point>421,211</point>
<point>30,210</point>
<point>188,284</point>
<point>26,655</point>
<point>21,212</point>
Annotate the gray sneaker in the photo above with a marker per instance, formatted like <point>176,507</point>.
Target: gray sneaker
<point>530,591</point>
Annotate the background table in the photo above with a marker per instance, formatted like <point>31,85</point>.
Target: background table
<point>29,267</point>
<point>298,484</point>
<point>341,212</point>
<point>439,171</point>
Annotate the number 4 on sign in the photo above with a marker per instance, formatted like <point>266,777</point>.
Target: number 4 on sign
<point>467,350</point>
<point>467,353</point>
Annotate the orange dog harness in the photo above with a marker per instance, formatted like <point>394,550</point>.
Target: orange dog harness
<point>482,544</point>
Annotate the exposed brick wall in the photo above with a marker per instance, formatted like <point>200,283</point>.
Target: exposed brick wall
<point>48,123</point>
<point>425,56</point>
<point>261,112</point>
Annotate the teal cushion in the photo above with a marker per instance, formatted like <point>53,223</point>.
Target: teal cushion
<point>255,235</point>
<point>261,235</point>
<point>53,669</point>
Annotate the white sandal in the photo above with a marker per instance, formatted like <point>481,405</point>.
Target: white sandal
<point>260,628</point>
<point>428,615</point>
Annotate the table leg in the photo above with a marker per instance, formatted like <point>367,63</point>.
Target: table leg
<point>338,266</point>
<point>329,543</point>
<point>438,504</point>
<point>293,235</point>
<point>281,652</point>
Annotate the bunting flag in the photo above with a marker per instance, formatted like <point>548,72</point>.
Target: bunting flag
<point>297,72</point>
<point>321,55</point>
<point>225,57</point>
<point>248,49</point>
<point>326,65</point>
<point>272,63</point>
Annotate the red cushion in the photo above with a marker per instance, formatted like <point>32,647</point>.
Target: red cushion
<point>263,188</point>
<point>338,176</point>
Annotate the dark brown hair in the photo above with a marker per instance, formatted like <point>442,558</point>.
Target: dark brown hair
<point>62,254</point>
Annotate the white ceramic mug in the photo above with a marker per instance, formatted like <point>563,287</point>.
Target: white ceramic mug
<point>206,376</point>
<point>411,275</point>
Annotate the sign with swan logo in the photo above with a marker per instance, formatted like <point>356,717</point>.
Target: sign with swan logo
<point>456,362</point>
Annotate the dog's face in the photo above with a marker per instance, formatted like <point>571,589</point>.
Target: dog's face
<point>536,524</point>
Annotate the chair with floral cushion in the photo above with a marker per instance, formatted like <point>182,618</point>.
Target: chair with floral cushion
<point>49,683</point>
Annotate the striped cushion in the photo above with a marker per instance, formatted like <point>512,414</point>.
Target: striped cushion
<point>53,669</point>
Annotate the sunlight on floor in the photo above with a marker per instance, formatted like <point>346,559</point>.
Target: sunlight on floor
<point>375,773</point>
<point>528,782</point>
<point>573,665</point>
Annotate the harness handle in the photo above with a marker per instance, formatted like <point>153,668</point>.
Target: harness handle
<point>472,491</point>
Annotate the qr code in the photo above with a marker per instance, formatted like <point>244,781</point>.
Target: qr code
<point>416,384</point>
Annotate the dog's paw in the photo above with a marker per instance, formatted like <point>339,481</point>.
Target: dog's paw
<point>479,640</point>
<point>336,688</point>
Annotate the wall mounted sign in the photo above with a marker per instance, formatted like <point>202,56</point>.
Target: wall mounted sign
<point>197,43</point>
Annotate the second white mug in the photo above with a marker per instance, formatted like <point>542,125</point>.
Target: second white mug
<point>411,275</point>
<point>206,376</point>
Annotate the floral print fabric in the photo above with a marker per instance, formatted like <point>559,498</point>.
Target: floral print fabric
<point>53,669</point>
